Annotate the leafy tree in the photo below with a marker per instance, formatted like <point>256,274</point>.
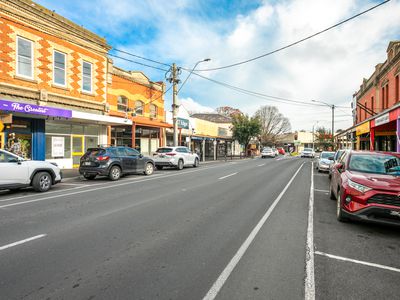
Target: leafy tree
<point>323,137</point>
<point>273,124</point>
<point>245,128</point>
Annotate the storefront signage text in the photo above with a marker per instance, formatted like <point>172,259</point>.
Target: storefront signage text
<point>363,128</point>
<point>382,120</point>
<point>34,109</point>
<point>183,123</point>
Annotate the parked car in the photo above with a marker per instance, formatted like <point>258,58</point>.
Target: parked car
<point>177,157</point>
<point>325,161</point>
<point>267,152</point>
<point>17,172</point>
<point>114,162</point>
<point>308,152</point>
<point>366,186</point>
<point>338,154</point>
<point>281,150</point>
<point>275,151</point>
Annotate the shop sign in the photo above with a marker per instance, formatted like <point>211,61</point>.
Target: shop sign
<point>34,109</point>
<point>57,146</point>
<point>363,128</point>
<point>382,119</point>
<point>183,123</point>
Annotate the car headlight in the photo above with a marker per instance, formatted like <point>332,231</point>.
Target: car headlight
<point>359,187</point>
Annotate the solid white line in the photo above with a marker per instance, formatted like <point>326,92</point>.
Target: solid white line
<point>261,165</point>
<point>358,261</point>
<point>223,177</point>
<point>309,285</point>
<point>106,186</point>
<point>79,184</point>
<point>321,191</point>
<point>22,242</point>
<point>218,284</point>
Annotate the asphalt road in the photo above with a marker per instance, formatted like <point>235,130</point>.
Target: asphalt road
<point>235,230</point>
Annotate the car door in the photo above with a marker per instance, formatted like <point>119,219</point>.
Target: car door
<point>183,153</point>
<point>12,170</point>
<point>190,156</point>
<point>126,162</point>
<point>136,160</point>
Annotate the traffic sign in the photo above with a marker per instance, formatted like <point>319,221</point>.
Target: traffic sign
<point>1,126</point>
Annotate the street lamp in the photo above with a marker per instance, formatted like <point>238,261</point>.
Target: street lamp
<point>332,106</point>
<point>190,73</point>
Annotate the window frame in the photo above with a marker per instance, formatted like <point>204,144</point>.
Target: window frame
<point>91,77</point>
<point>141,107</point>
<point>32,58</point>
<point>156,108</point>
<point>126,105</point>
<point>54,68</point>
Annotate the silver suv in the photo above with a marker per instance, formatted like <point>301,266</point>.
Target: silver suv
<point>177,157</point>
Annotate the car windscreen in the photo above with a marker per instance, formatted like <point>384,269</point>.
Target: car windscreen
<point>95,152</point>
<point>164,150</point>
<point>376,164</point>
<point>308,149</point>
<point>327,154</point>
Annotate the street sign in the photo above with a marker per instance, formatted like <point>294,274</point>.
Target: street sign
<point>1,126</point>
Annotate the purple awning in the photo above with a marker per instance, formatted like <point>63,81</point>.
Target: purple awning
<point>26,108</point>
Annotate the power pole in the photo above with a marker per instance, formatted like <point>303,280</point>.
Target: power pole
<point>333,127</point>
<point>175,107</point>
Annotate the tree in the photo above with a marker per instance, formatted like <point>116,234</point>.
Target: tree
<point>323,137</point>
<point>245,128</point>
<point>228,111</point>
<point>273,124</point>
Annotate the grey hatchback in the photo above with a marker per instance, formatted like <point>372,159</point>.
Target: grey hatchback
<point>114,162</point>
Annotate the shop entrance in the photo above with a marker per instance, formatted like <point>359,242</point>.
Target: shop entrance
<point>78,149</point>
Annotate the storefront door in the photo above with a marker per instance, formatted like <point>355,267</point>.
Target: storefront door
<point>78,149</point>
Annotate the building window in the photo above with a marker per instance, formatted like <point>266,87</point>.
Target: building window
<point>153,111</point>
<point>59,65</point>
<point>24,58</point>
<point>365,110</point>
<point>139,107</point>
<point>87,77</point>
<point>122,103</point>
<point>383,98</point>
<point>397,89</point>
<point>372,105</point>
<point>387,95</point>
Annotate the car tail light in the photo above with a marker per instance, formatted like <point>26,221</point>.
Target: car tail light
<point>170,154</point>
<point>103,158</point>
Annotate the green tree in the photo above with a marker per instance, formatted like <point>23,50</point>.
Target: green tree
<point>245,128</point>
<point>323,137</point>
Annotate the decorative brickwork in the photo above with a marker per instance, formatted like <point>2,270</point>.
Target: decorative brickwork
<point>44,65</point>
<point>7,54</point>
<point>75,74</point>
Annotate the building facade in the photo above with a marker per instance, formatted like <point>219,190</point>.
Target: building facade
<point>52,84</point>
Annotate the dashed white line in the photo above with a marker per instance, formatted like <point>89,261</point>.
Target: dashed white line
<point>365,263</point>
<point>22,241</point>
<point>309,286</point>
<point>321,191</point>
<point>219,283</point>
<point>223,177</point>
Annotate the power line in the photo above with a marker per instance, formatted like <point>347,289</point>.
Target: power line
<point>141,57</point>
<point>297,42</point>
<point>136,62</point>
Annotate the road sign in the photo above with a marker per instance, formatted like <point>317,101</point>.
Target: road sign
<point>1,126</point>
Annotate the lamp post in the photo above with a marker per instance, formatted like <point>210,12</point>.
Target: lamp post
<point>332,106</point>
<point>175,106</point>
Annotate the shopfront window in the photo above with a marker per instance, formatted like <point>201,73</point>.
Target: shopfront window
<point>58,146</point>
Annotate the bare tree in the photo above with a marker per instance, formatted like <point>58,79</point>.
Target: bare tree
<point>273,124</point>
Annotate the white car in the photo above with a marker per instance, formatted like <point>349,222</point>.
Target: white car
<point>267,152</point>
<point>177,157</point>
<point>325,161</point>
<point>308,152</point>
<point>16,172</point>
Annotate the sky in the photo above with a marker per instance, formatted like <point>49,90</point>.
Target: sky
<point>329,67</point>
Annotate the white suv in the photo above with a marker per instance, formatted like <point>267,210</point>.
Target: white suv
<point>175,157</point>
<point>16,172</point>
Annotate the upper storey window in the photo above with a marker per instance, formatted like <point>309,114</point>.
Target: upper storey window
<point>139,107</point>
<point>59,73</point>
<point>87,74</point>
<point>122,103</point>
<point>153,111</point>
<point>24,58</point>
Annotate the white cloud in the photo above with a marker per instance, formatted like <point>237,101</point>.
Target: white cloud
<point>192,106</point>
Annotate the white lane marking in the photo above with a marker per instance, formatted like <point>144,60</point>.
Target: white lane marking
<point>321,191</point>
<point>358,261</point>
<point>223,177</point>
<point>79,184</point>
<point>309,284</point>
<point>22,241</point>
<point>261,165</point>
<point>103,186</point>
<point>219,283</point>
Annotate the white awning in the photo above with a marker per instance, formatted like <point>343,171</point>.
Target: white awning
<point>99,119</point>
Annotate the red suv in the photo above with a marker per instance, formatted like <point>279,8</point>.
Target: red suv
<point>367,186</point>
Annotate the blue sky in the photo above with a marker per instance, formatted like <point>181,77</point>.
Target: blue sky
<point>329,67</point>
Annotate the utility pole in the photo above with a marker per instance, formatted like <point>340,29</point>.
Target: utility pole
<point>333,127</point>
<point>175,107</point>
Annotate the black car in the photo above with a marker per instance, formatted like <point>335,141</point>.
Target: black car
<point>114,162</point>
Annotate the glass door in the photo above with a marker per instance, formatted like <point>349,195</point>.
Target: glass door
<point>78,149</point>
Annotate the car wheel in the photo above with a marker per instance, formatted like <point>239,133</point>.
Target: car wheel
<point>180,164</point>
<point>339,211</point>
<point>42,182</point>
<point>115,173</point>
<point>196,163</point>
<point>149,169</point>
<point>159,167</point>
<point>89,177</point>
